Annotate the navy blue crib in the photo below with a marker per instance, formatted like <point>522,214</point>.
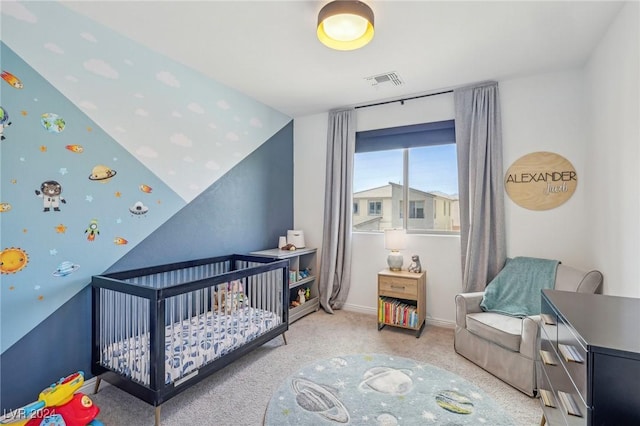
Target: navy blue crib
<point>159,330</point>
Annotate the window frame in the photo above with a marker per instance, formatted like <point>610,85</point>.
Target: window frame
<point>377,201</point>
<point>405,138</point>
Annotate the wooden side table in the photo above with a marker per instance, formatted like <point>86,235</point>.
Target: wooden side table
<point>402,300</point>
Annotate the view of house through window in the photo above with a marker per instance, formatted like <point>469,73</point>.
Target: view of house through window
<point>428,204</point>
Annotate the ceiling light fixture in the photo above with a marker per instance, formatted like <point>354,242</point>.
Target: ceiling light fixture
<point>345,24</point>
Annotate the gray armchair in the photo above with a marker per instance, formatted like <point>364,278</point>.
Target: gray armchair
<point>507,346</point>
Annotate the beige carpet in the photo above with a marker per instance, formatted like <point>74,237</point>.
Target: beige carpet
<point>239,394</point>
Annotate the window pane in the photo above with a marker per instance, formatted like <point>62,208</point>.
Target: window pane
<point>378,187</point>
<point>433,184</point>
<point>377,190</point>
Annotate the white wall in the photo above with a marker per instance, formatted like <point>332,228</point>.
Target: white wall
<point>613,89</point>
<point>543,112</point>
<point>590,116</point>
<point>546,113</point>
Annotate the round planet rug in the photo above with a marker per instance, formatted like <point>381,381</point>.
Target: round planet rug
<point>375,389</point>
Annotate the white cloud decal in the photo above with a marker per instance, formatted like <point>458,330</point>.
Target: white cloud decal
<point>233,136</point>
<point>141,112</point>
<point>18,11</point>
<point>195,108</point>
<point>101,68</point>
<point>181,140</point>
<point>176,114</point>
<point>128,62</point>
<point>138,95</point>
<point>213,126</point>
<point>121,129</point>
<point>52,47</point>
<point>188,159</point>
<point>147,152</point>
<point>89,37</point>
<point>255,122</point>
<point>88,105</point>
<point>223,105</point>
<point>167,78</point>
<point>72,78</point>
<point>212,165</point>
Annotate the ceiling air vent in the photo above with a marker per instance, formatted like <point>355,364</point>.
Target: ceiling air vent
<point>386,79</point>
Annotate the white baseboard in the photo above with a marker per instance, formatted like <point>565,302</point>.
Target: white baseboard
<point>89,386</point>
<point>360,309</point>
<point>437,322</point>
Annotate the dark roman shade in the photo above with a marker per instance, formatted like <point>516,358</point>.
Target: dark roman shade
<point>415,135</point>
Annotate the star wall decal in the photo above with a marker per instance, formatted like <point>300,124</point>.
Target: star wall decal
<point>89,198</point>
<point>60,229</point>
<point>43,148</point>
<point>63,171</point>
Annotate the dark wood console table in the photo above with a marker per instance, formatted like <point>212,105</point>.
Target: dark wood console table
<point>589,365</point>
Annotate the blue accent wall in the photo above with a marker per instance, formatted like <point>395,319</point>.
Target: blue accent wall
<point>247,209</point>
<point>55,348</point>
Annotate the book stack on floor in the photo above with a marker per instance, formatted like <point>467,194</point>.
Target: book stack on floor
<point>397,312</point>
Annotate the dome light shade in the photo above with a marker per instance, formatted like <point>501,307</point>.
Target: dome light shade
<point>345,24</point>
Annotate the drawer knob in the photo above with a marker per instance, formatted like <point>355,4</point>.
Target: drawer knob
<point>547,398</point>
<point>547,358</point>
<point>570,353</point>
<point>569,404</point>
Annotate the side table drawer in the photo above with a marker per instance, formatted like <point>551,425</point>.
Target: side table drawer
<point>404,288</point>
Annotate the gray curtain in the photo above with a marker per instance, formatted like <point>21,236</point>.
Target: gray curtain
<point>335,263</point>
<point>481,186</point>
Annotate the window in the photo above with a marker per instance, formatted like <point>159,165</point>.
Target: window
<point>375,208</point>
<point>356,208</point>
<point>416,209</point>
<point>412,172</point>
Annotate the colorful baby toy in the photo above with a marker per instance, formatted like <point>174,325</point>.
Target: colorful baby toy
<point>58,405</point>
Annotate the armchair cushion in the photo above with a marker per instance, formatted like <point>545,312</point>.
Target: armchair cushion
<point>497,328</point>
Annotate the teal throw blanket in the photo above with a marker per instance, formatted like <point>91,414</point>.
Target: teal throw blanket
<point>516,289</point>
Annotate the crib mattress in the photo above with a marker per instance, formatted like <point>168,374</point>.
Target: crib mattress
<point>189,344</point>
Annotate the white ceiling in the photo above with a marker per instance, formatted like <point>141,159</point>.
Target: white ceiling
<point>268,49</point>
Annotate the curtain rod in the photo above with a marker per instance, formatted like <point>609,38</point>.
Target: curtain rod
<point>404,99</point>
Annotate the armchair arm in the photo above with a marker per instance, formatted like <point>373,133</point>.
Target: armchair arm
<point>529,343</point>
<point>467,303</point>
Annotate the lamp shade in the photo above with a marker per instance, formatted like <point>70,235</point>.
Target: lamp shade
<point>394,239</point>
<point>345,24</point>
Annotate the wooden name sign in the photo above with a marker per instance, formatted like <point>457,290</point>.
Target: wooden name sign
<point>541,181</point>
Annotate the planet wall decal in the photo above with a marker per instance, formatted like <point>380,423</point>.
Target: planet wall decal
<point>102,173</point>
<point>65,268</point>
<point>53,123</point>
